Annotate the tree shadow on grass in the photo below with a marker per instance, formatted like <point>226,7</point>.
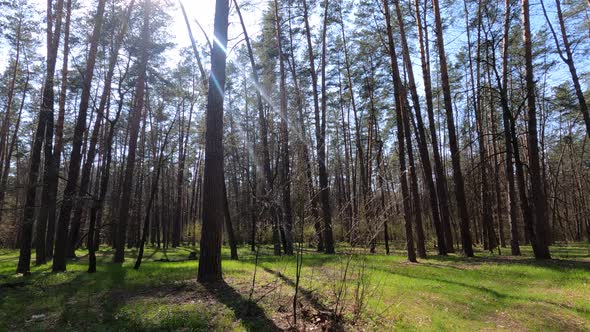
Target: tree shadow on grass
<point>335,322</point>
<point>553,264</point>
<point>10,259</point>
<point>486,290</point>
<point>307,294</point>
<point>251,315</point>
<point>312,260</point>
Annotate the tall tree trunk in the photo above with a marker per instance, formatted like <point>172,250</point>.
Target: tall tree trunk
<point>421,135</point>
<point>177,233</point>
<point>453,142</point>
<point>49,179</point>
<point>262,121</point>
<point>381,175</point>
<point>284,129</point>
<point>400,105</point>
<point>61,240</point>
<point>97,203</point>
<point>12,145</point>
<point>366,199</point>
<point>512,147</point>
<point>441,180</point>
<point>6,121</point>
<point>506,115</point>
<point>495,164</point>
<point>134,120</point>
<point>316,105</point>
<point>304,149</point>
<point>321,146</point>
<point>486,208</point>
<point>541,227</point>
<point>4,131</point>
<point>213,216</point>
<point>44,128</point>
<point>359,146</point>
<point>347,186</point>
<point>92,150</point>
<point>416,201</point>
<point>59,132</point>
<point>153,191</point>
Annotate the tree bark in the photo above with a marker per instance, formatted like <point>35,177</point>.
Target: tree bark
<point>97,203</point>
<point>213,216</point>
<point>44,128</point>
<point>453,142</point>
<point>262,121</point>
<point>541,227</point>
<point>284,130</point>
<point>12,145</point>
<point>4,130</point>
<point>59,132</point>
<point>135,119</point>
<point>400,105</point>
<point>321,147</point>
<point>441,180</point>
<point>489,237</point>
<point>154,189</point>
<point>304,149</point>
<point>506,115</point>
<point>231,238</point>
<point>6,121</point>
<point>421,135</point>
<point>61,240</point>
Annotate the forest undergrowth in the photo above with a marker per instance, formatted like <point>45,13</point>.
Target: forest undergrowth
<point>352,290</point>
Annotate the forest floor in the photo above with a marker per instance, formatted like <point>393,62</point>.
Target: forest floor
<point>339,292</point>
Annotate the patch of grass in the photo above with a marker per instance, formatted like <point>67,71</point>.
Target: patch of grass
<point>489,292</point>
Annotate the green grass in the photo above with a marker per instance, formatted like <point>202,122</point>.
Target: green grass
<point>489,292</point>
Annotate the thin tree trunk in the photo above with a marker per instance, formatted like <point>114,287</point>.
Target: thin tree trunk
<point>381,175</point>
<point>135,119</point>
<point>321,146</point>
<point>417,202</point>
<point>61,240</point>
<point>541,227</point>
<point>400,105</point>
<point>153,191</point>
<point>194,47</point>
<point>263,136</point>
<point>12,145</point>
<point>4,131</point>
<point>441,180</point>
<point>508,144</point>
<point>284,130</point>
<point>177,233</point>
<point>421,135</point>
<point>97,204</point>
<point>359,146</point>
<point>453,142</point>
<point>486,208</point>
<point>231,238</point>
<point>316,105</point>
<point>304,149</point>
<point>6,121</point>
